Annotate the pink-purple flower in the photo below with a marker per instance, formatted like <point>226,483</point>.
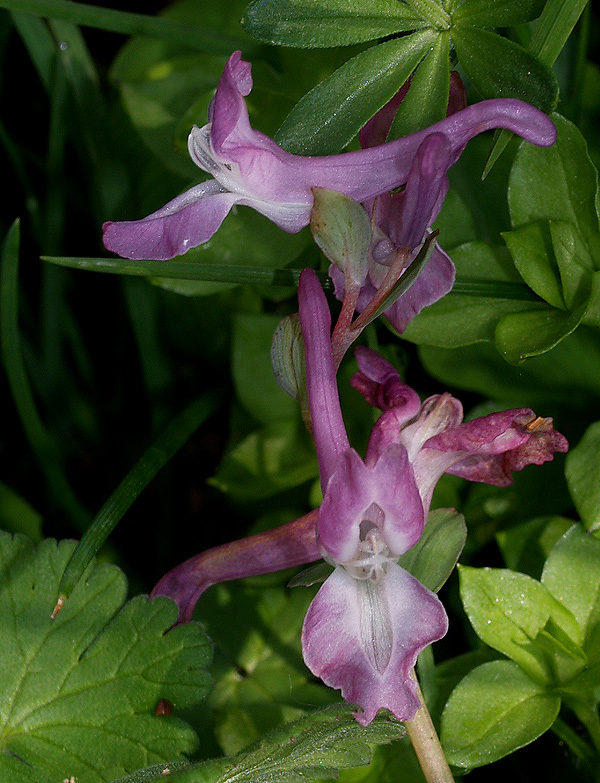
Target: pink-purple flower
<point>371,618</point>
<point>401,223</point>
<point>249,168</point>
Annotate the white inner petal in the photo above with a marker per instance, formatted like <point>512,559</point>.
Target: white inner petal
<point>373,554</point>
<point>375,625</point>
<point>201,152</point>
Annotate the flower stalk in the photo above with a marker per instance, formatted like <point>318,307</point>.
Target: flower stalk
<point>426,744</point>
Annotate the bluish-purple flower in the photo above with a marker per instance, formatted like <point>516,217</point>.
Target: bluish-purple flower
<point>249,168</point>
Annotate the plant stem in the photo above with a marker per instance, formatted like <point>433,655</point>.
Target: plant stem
<point>427,745</point>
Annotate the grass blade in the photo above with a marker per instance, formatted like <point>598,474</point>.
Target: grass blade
<point>188,35</point>
<point>153,459</point>
<point>41,442</point>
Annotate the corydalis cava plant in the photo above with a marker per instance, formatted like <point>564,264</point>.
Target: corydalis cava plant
<point>250,168</point>
<point>370,618</point>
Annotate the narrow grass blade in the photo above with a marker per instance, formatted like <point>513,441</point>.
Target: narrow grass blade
<point>188,35</point>
<point>153,459</point>
<point>42,444</point>
<point>185,270</point>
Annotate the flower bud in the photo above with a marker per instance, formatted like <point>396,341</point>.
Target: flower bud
<point>341,228</point>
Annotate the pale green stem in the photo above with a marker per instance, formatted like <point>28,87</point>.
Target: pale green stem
<point>427,745</point>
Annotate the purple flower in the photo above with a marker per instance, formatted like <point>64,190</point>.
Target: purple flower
<point>402,221</point>
<point>249,168</point>
<point>370,618</point>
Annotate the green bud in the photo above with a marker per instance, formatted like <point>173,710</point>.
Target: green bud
<point>341,228</point>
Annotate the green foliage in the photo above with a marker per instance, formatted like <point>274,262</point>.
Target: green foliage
<point>321,124</point>
<point>583,471</point>
<point>316,746</point>
<point>105,662</point>
<point>550,631</point>
<point>495,710</point>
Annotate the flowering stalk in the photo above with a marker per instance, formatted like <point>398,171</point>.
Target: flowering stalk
<point>426,744</point>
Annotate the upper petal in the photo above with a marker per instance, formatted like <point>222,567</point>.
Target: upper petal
<point>329,431</point>
<point>364,640</point>
<point>380,384</point>
<point>426,189</point>
<point>354,488</point>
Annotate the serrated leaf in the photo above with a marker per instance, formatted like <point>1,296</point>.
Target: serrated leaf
<point>515,615</point>
<point>106,663</point>
<point>332,113</point>
<point>493,711</point>
<point>314,23</point>
<point>516,72</point>
<point>316,746</point>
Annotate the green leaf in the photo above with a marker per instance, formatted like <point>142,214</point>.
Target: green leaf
<point>278,457</point>
<point>555,25</point>
<point>526,547</point>
<point>500,13</point>
<point>531,248</point>
<point>315,23</point>
<point>332,113</point>
<point>557,183</point>
<point>522,335</point>
<point>493,711</point>
<point>433,558</point>
<point>253,376</point>
<point>572,574</point>
<point>459,319</point>
<point>517,615</point>
<point>316,746</point>
<point>574,262</point>
<point>191,35</point>
<point>183,270</point>
<point>426,101</point>
<point>583,476</point>
<point>516,72</point>
<point>550,34</point>
<point>106,663</point>
<point>573,366</point>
